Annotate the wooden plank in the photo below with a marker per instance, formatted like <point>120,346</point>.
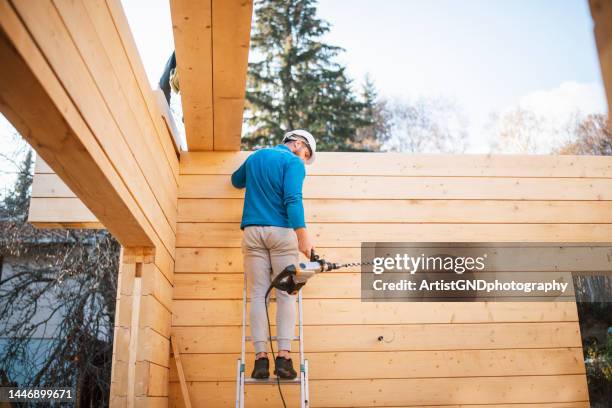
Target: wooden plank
<point>191,23</point>
<point>41,166</point>
<point>134,341</point>
<point>129,45</point>
<point>122,340</point>
<point>579,404</point>
<point>154,315</point>
<point>165,262</point>
<point>67,225</point>
<point>151,402</point>
<point>68,212</point>
<point>156,284</point>
<point>401,392</point>
<point>397,188</point>
<point>570,257</point>
<point>121,335</point>
<point>180,374</point>
<point>169,120</point>
<point>229,286</point>
<point>401,364</point>
<point>55,41</point>
<point>152,380</point>
<point>353,311</point>
<point>400,211</point>
<point>396,337</point>
<point>229,235</point>
<point>215,260</point>
<point>330,285</point>
<point>50,185</point>
<point>153,347</point>
<point>100,48</point>
<point>421,165</point>
<point>125,277</point>
<point>118,379</point>
<point>231,29</point>
<point>135,84</point>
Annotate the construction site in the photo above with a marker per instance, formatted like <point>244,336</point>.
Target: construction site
<point>109,157</point>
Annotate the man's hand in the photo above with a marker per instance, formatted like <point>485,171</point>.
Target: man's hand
<point>304,244</point>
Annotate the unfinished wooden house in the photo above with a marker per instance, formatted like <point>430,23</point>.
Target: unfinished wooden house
<point>73,85</point>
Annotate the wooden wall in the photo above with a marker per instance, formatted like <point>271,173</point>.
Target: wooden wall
<point>54,205</point>
<point>75,88</point>
<point>434,354</point>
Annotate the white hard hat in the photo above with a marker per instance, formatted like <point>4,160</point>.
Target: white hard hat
<point>306,137</point>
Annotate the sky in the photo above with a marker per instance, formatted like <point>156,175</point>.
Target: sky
<point>486,55</point>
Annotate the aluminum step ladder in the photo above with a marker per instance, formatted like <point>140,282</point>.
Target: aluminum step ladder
<point>301,379</point>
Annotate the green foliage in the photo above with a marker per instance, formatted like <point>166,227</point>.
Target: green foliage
<point>296,82</point>
<point>598,361</point>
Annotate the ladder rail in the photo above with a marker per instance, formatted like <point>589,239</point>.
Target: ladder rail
<point>301,335</point>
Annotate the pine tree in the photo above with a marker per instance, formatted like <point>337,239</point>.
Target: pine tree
<point>17,201</point>
<point>295,83</point>
<point>377,115</point>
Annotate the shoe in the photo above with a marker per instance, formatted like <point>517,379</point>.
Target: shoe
<point>283,367</point>
<point>261,369</point>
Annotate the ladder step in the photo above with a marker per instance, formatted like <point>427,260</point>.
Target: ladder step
<point>249,338</point>
<point>271,380</point>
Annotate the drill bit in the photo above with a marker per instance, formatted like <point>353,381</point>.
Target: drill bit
<point>348,265</point>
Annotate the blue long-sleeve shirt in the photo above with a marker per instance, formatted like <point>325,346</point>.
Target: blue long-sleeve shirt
<point>273,178</point>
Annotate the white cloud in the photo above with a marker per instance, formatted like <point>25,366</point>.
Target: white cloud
<point>549,118</point>
<point>564,100</point>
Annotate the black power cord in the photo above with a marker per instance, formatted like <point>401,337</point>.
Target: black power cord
<point>272,345</point>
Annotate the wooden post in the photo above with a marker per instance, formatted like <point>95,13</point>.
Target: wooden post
<point>141,346</point>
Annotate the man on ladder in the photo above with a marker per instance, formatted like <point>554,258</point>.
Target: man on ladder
<point>274,234</point>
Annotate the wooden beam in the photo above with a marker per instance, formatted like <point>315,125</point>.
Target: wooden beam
<point>169,121</point>
<point>601,11</point>
<point>133,347</point>
<point>120,22</point>
<point>192,26</point>
<point>96,97</point>
<point>39,107</point>
<point>231,24</point>
<point>412,165</point>
<point>212,44</point>
<point>141,347</point>
<point>559,391</point>
<point>180,372</point>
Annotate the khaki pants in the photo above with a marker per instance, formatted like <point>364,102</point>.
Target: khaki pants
<point>267,250</point>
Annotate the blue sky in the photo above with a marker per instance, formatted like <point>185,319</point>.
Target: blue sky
<point>487,55</point>
<point>492,50</point>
